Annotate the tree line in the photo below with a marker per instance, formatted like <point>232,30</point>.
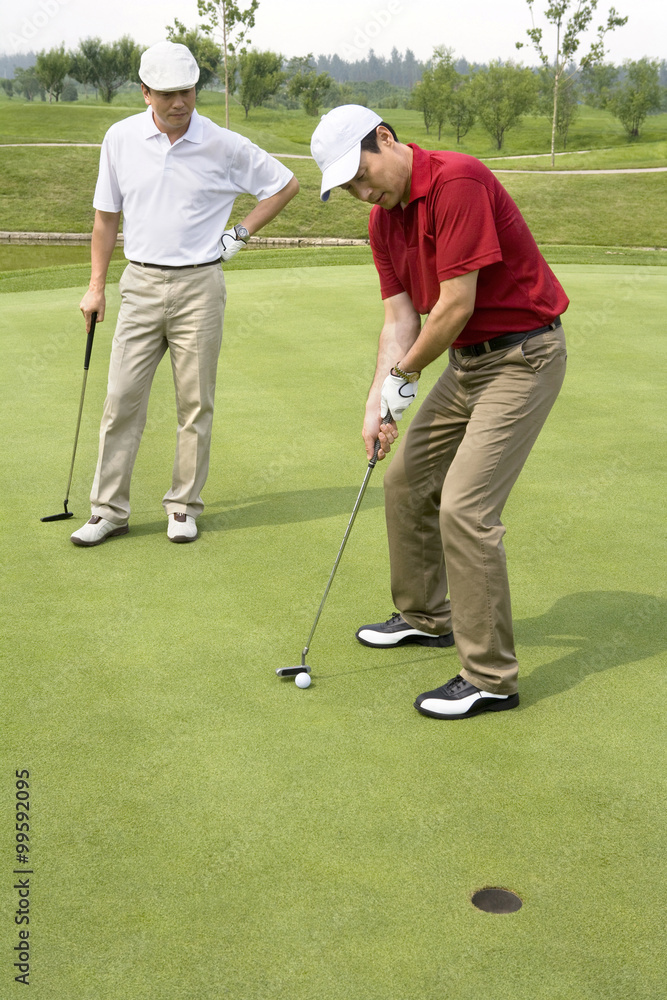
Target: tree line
<point>447,91</point>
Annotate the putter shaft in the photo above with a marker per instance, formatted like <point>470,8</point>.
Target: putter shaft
<point>86,364</point>
<point>371,465</point>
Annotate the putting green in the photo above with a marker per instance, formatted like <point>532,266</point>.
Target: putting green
<point>200,829</point>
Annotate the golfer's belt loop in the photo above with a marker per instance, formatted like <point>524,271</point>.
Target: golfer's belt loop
<point>487,347</point>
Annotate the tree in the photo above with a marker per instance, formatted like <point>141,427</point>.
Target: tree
<point>445,79</point>
<point>461,113</point>
<point>106,66</point>
<point>83,62</point>
<point>597,82</point>
<point>234,24</point>
<point>637,95</point>
<point>567,43</point>
<point>116,63</point>
<point>51,68</point>
<point>306,85</point>
<point>311,89</point>
<point>203,48</point>
<point>568,103</point>
<point>502,94</point>
<point>261,76</point>
<point>8,87</point>
<point>70,93</point>
<point>424,98</point>
<point>26,83</point>
<point>433,94</point>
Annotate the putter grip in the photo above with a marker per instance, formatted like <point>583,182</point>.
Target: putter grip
<point>89,342</point>
<point>387,419</point>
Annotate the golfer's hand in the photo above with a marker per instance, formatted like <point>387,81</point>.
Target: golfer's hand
<point>230,245</point>
<point>373,429</point>
<point>397,394</point>
<point>93,301</point>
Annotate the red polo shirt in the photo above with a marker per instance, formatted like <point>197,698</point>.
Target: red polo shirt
<point>461,219</point>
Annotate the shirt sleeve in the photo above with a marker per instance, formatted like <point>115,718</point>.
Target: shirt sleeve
<point>256,172</point>
<point>390,283</point>
<point>464,228</point>
<point>108,197</point>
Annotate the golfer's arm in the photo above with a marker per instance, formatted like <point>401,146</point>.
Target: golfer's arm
<point>444,323</point>
<point>400,330</point>
<point>267,209</point>
<point>105,231</point>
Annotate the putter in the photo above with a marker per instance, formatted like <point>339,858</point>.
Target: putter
<point>89,347</point>
<point>303,667</point>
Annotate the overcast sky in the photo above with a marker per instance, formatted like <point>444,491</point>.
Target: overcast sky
<point>480,30</point>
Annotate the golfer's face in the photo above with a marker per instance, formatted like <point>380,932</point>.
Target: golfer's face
<point>172,110</point>
<point>381,179</point>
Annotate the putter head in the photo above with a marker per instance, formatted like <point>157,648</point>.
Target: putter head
<point>293,671</point>
<point>60,517</point>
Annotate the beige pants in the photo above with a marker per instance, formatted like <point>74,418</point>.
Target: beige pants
<point>178,310</point>
<point>445,491</point>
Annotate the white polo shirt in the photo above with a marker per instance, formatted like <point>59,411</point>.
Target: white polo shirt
<point>176,199</point>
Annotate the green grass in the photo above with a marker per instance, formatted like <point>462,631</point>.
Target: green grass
<point>56,275</point>
<point>50,190</point>
<point>202,830</point>
<point>649,154</point>
<point>607,210</point>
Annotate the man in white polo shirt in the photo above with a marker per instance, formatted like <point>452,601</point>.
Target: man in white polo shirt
<point>174,175</point>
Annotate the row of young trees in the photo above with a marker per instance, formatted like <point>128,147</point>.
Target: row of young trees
<point>449,92</point>
<point>499,95</point>
<point>106,67</point>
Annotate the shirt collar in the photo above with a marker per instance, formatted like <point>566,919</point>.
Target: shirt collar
<point>421,173</point>
<point>195,132</point>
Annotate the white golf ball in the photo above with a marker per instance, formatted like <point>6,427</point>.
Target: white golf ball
<point>302,680</point>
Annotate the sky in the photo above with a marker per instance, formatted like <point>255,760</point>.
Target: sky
<point>479,30</point>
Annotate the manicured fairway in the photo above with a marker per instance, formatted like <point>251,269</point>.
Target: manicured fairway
<point>202,830</point>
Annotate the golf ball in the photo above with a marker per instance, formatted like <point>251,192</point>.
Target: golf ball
<point>302,680</point>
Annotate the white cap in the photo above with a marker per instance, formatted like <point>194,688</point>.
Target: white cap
<point>168,66</point>
<point>336,143</point>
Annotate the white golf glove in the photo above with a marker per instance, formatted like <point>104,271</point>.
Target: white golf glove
<point>397,394</point>
<point>230,244</point>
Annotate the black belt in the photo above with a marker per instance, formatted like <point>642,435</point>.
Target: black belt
<point>507,339</point>
<point>176,267</point>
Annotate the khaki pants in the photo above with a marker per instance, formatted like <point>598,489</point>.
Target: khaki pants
<point>179,310</point>
<point>445,491</point>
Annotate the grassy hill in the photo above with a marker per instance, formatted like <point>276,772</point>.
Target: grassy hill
<point>49,189</point>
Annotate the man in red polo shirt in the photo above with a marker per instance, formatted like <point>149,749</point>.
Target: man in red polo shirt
<point>449,243</point>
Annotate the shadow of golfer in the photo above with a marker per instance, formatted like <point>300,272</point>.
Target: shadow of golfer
<point>289,507</point>
<point>604,629</point>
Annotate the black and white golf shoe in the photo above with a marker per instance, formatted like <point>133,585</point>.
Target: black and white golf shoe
<point>458,699</point>
<point>396,632</point>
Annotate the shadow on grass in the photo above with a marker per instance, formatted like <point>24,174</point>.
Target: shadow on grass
<point>605,629</point>
<point>289,507</point>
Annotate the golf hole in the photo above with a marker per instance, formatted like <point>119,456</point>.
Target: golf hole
<point>494,900</point>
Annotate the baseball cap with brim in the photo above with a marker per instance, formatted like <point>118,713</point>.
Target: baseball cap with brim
<point>168,66</point>
<point>336,144</point>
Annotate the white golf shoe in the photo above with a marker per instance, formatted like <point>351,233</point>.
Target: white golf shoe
<point>97,530</point>
<point>181,528</point>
